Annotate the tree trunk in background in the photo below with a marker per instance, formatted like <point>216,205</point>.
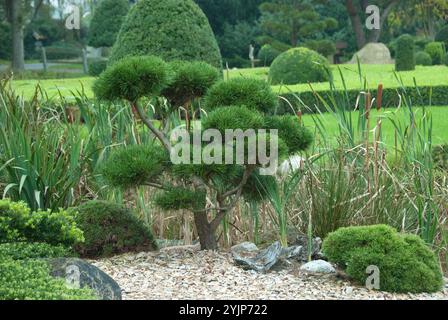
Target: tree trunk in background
<point>356,23</point>
<point>16,18</point>
<point>376,34</point>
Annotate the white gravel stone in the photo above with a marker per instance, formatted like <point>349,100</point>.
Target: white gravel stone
<point>200,275</point>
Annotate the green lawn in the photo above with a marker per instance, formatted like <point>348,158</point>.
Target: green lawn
<point>439,114</point>
<point>374,74</point>
<point>425,76</point>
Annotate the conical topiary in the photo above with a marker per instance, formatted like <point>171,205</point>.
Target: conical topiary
<point>170,29</point>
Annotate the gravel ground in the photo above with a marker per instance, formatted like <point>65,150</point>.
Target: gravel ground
<point>185,273</point>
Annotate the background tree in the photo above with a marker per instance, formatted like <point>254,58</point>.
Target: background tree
<point>106,22</point>
<point>289,20</point>
<point>356,10</point>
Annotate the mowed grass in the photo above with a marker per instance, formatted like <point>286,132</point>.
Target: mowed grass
<point>439,116</point>
<point>372,74</point>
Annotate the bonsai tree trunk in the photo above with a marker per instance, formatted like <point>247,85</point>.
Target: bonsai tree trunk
<point>205,231</point>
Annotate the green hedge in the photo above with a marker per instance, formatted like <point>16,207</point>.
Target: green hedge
<point>405,55</point>
<point>438,96</point>
<point>405,262</point>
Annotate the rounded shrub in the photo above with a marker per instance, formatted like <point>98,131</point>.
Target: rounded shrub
<point>299,65</point>
<point>405,262</point>
<point>97,67</point>
<point>170,29</point>
<point>436,51</point>
<point>106,22</point>
<point>111,229</point>
<point>405,53</point>
<point>442,36</point>
<point>233,117</point>
<point>132,78</point>
<point>135,165</point>
<point>190,80</point>
<point>253,93</point>
<point>423,59</point>
<point>295,135</point>
<point>267,54</point>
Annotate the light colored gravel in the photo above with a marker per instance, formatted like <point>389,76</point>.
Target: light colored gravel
<point>185,273</point>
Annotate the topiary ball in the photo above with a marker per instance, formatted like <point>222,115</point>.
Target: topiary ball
<point>132,78</point>
<point>436,51</point>
<point>405,262</point>
<point>170,29</point>
<point>405,53</point>
<point>111,229</point>
<point>233,117</point>
<point>299,65</point>
<point>253,93</point>
<point>295,135</point>
<point>191,80</point>
<point>423,59</point>
<point>97,67</point>
<point>267,54</point>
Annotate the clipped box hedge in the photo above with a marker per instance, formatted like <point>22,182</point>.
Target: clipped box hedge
<point>422,96</point>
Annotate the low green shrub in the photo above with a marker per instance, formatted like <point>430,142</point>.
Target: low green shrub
<point>111,229</point>
<point>267,54</point>
<point>25,274</point>
<point>24,250</point>
<point>405,262</point>
<point>252,93</point>
<point>436,50</point>
<point>405,53</point>
<point>18,223</point>
<point>299,65</point>
<point>63,51</point>
<point>96,67</point>
<point>31,280</point>
<point>423,59</point>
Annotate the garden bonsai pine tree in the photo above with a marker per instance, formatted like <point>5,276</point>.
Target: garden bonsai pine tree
<point>209,190</point>
<point>170,29</point>
<point>106,22</point>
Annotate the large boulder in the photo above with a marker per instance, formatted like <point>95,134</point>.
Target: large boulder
<point>81,274</point>
<point>373,53</point>
<point>248,256</point>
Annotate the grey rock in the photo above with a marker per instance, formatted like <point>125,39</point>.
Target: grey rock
<point>292,252</point>
<point>318,266</point>
<point>316,244</point>
<point>89,276</point>
<point>248,256</point>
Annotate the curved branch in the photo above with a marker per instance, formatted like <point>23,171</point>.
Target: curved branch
<point>159,134</point>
